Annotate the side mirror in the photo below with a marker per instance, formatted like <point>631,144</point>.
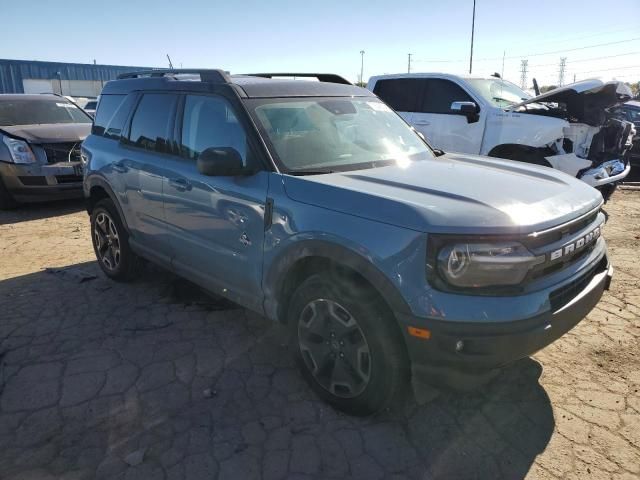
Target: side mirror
<point>220,162</point>
<point>468,109</point>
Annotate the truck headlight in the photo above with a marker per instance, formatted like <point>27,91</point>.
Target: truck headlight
<point>469,265</point>
<point>19,150</point>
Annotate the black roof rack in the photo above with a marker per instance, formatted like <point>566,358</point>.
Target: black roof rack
<point>206,75</point>
<point>322,77</point>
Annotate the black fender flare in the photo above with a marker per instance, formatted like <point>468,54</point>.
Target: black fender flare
<point>274,278</point>
<point>97,181</point>
<point>527,153</point>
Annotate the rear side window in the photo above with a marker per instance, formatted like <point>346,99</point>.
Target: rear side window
<point>107,106</point>
<point>210,122</point>
<point>152,122</point>
<point>116,124</point>
<point>440,94</point>
<point>401,94</point>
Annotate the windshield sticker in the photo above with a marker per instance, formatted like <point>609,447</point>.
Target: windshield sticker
<point>66,105</point>
<point>379,106</point>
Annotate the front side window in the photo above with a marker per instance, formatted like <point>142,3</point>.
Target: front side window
<point>440,94</point>
<point>40,112</point>
<point>210,122</point>
<point>151,123</point>
<point>325,134</point>
<point>401,94</point>
<point>498,92</point>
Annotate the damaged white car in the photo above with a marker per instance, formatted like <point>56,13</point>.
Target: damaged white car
<point>569,128</point>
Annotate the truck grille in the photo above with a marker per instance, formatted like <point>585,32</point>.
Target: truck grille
<point>62,152</point>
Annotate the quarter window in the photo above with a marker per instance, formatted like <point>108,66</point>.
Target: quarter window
<point>152,122</point>
<point>210,122</point>
<point>401,94</point>
<point>107,106</point>
<point>440,94</point>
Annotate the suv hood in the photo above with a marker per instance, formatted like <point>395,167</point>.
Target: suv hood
<point>452,194</point>
<point>608,94</point>
<point>50,133</point>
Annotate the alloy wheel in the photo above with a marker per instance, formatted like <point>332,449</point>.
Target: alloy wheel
<point>333,348</point>
<point>107,241</point>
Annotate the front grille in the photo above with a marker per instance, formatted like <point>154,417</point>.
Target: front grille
<point>560,297</point>
<point>555,234</point>
<point>62,152</point>
<point>69,178</point>
<point>33,181</point>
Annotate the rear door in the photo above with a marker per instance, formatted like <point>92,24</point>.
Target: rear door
<point>141,167</point>
<point>402,94</point>
<point>216,224</point>
<point>443,128</point>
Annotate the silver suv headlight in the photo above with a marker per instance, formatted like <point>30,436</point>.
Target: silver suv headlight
<point>477,265</point>
<point>19,150</point>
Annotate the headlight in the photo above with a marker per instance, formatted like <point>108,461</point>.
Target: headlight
<point>19,150</point>
<point>485,264</point>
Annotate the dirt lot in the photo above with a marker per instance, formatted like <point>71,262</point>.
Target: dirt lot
<point>153,380</point>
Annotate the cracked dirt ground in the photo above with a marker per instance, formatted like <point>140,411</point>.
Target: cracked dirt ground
<point>153,380</point>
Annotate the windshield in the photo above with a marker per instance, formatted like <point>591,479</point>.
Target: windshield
<point>499,92</point>
<point>45,111</point>
<point>325,134</point>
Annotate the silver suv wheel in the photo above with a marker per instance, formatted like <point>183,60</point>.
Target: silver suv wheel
<point>107,241</point>
<point>333,348</point>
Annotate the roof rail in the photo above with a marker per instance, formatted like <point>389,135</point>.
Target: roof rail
<point>322,77</point>
<point>206,75</point>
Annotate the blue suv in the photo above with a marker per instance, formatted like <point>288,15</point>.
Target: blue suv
<point>316,205</point>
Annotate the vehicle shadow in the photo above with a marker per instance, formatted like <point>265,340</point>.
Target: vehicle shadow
<point>93,371</point>
<point>35,211</point>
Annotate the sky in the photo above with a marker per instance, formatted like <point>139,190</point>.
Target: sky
<point>599,39</point>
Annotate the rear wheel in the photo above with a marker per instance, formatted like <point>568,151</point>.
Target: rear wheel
<point>111,242</point>
<point>347,345</point>
<point>7,201</point>
<point>521,154</point>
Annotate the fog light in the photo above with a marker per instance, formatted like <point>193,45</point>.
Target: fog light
<point>459,345</point>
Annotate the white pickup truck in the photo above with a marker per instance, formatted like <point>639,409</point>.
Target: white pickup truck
<point>568,128</point>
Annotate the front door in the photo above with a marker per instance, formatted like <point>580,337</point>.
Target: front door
<point>216,224</point>
<point>443,128</point>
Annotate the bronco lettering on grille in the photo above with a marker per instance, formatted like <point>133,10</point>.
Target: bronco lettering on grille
<point>570,248</point>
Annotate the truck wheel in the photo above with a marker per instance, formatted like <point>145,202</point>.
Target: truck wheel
<point>347,345</point>
<point>111,242</point>
<point>6,200</point>
<point>521,154</point>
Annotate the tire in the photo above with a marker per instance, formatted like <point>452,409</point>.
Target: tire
<point>7,202</point>
<point>111,243</point>
<point>347,345</point>
<point>524,154</point>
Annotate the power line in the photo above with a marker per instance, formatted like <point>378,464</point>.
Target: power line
<point>610,69</point>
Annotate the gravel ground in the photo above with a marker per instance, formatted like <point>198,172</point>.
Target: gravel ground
<point>154,380</point>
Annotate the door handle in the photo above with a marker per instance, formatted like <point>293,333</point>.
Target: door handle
<point>422,122</point>
<point>180,184</point>
<point>119,167</point>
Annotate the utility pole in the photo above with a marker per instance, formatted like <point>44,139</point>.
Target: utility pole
<point>473,27</point>
<point>361,66</point>
<point>409,65</point>
<point>574,78</point>
<point>524,64</point>
<point>563,65</point>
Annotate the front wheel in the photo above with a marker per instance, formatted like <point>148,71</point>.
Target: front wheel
<point>347,345</point>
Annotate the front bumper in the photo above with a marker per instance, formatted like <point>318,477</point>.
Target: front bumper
<point>36,182</point>
<point>608,172</point>
<point>463,355</point>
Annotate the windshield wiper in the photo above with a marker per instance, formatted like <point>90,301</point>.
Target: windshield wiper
<point>299,173</point>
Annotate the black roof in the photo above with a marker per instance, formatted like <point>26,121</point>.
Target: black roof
<point>31,96</point>
<point>247,86</point>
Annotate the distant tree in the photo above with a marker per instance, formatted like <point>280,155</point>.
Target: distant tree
<point>361,84</point>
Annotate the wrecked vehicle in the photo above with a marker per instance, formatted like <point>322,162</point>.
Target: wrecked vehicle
<point>316,205</point>
<point>40,137</point>
<point>567,128</point>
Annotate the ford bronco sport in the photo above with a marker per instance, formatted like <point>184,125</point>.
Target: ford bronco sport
<point>316,205</point>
